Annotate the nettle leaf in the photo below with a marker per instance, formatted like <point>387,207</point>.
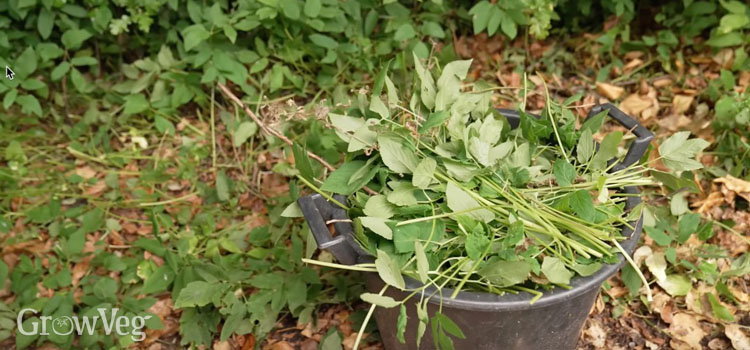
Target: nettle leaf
<point>379,300</point>
<point>678,152</point>
<point>555,271</point>
<point>424,174</point>
<point>396,156</point>
<point>460,201</point>
<point>564,172</point>
<point>389,270</point>
<point>503,273</point>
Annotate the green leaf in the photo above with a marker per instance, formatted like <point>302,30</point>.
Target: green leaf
<point>435,119</point>
<point>607,150</point>
<point>340,182</point>
<point>401,324</point>
<point>3,273</point>
<point>564,172</point>
<point>9,98</point>
<point>389,270</point>
<point>396,156</point>
<point>404,236</point>
<point>245,130</point>
<point>194,35</point>
<point>725,40</point>
<point>594,124</point>
<point>378,206</point>
<point>302,162</point>
<point>676,285</point>
<point>60,71</point>
<point>427,89</point>
<point>688,224</point>
<point>555,271</point>
<point>377,106</point>
<point>312,8</point>
<point>424,174</point>
<point>586,270</point>
<point>290,8</point>
<point>73,38</point>
<point>476,244</point>
<point>158,281</point>
<point>677,151</point>
<point>377,225</point>
<point>503,273</point>
<point>199,293</point>
<point>460,201</point>
<point>163,125</point>
<point>332,340</point>
<point>631,279</point>
<point>222,186</point>
<point>720,311</point>
<point>404,32</point>
<point>324,41</point>
<point>658,235</point>
<point>45,22</point>
<point>423,266</point>
<point>583,205</point>
<point>379,300</point>
<point>135,104</point>
<point>26,63</point>
<point>29,104</point>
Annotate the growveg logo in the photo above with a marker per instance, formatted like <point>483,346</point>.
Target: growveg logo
<point>67,325</point>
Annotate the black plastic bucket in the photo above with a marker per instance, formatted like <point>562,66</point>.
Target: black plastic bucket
<point>489,321</point>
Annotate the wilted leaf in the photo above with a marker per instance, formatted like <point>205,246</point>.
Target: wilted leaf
<point>609,91</point>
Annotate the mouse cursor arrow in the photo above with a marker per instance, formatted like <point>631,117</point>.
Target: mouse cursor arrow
<point>9,73</point>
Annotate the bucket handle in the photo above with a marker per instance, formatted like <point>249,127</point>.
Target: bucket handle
<point>319,213</point>
<point>639,146</point>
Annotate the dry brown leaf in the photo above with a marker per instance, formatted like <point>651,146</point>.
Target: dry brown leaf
<point>740,340</point>
<point>282,345</point>
<point>609,91</point>
<point>222,345</point>
<point>713,200</point>
<point>681,103</point>
<point>634,104</point>
<point>734,184</point>
<point>632,65</point>
<point>596,335</point>
<point>675,122</point>
<point>685,328</point>
<point>85,172</point>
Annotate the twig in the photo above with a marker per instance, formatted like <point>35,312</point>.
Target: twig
<point>275,132</point>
